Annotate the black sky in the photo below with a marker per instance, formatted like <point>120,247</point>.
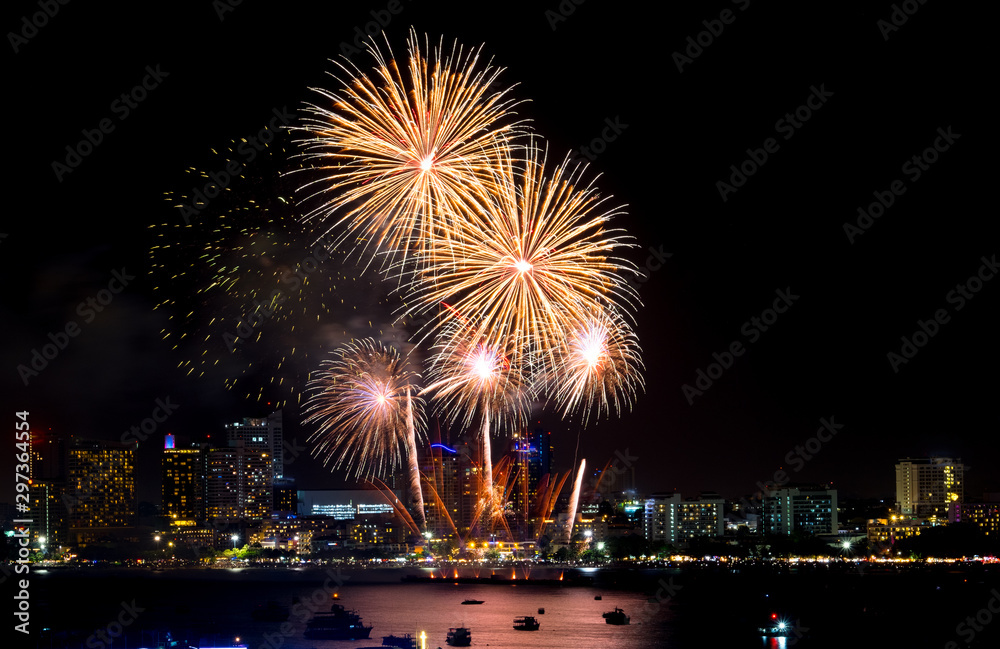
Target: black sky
<point>826,356</point>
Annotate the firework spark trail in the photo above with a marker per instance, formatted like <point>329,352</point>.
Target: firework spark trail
<point>391,500</point>
<point>443,509</point>
<point>548,495</point>
<point>401,155</point>
<point>574,500</point>
<point>593,366</point>
<point>361,405</point>
<point>471,375</point>
<point>411,453</point>
<point>539,252</point>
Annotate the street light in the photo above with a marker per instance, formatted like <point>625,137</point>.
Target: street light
<point>235,537</point>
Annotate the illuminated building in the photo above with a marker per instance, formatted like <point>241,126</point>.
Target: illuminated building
<point>809,509</point>
<point>48,457</point>
<point>345,504</point>
<point>285,497</point>
<point>370,533</point>
<point>238,484</point>
<point>263,434</point>
<point>183,484</point>
<point>454,478</point>
<point>669,519</point>
<point>659,524</point>
<point>927,487</point>
<point>49,518</point>
<point>47,475</point>
<point>293,534</point>
<point>531,455</point>
<point>890,530</point>
<point>591,529</point>
<point>100,489</point>
<point>701,517</point>
<point>984,514</point>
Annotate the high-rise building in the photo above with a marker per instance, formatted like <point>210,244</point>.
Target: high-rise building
<point>285,497</point>
<point>261,434</point>
<point>806,508</point>
<point>47,474</point>
<point>701,517</point>
<point>100,489</point>
<point>183,484</point>
<point>238,483</point>
<point>669,519</point>
<point>451,501</point>
<point>530,453</point>
<point>985,514</point>
<point>48,457</point>
<point>928,487</point>
<point>659,524</point>
<point>49,518</point>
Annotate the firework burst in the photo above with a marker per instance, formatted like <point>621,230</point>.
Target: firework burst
<point>595,367</point>
<point>540,252</point>
<point>400,153</point>
<point>363,404</point>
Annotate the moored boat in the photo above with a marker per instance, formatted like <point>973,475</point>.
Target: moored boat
<point>399,641</point>
<point>459,637</point>
<point>616,616</point>
<point>473,601</point>
<point>525,623</point>
<point>338,624</point>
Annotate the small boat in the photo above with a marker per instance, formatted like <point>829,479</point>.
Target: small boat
<point>775,628</point>
<point>474,601</point>
<point>399,641</point>
<point>541,610</point>
<point>459,637</point>
<point>525,623</point>
<point>598,597</point>
<point>616,616</point>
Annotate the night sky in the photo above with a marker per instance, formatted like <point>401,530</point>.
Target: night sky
<point>869,98</point>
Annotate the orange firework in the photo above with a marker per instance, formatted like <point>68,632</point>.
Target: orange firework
<point>363,403</point>
<point>399,154</point>
<point>541,251</point>
<point>594,366</point>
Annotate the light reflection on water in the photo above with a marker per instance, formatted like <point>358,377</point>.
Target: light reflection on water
<point>572,616</point>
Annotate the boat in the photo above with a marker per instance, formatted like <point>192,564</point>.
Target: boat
<point>616,616</point>
<point>541,610</point>
<point>598,597</point>
<point>459,637</point>
<point>330,626</point>
<point>270,612</point>
<point>474,601</point>
<point>525,623</point>
<point>399,641</point>
<point>338,624</point>
<point>775,628</point>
